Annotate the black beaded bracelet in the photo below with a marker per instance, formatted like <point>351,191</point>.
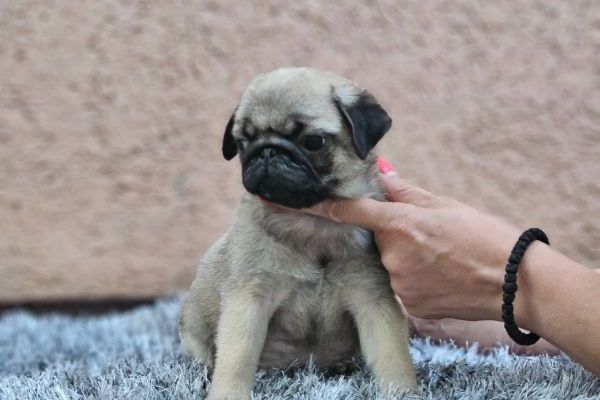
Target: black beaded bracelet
<point>510,286</point>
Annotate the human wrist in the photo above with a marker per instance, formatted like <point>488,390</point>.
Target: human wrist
<point>493,270</point>
<point>535,278</point>
<point>546,297</point>
<point>526,303</point>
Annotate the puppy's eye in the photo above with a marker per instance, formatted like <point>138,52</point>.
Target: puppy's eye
<point>242,144</point>
<point>313,142</point>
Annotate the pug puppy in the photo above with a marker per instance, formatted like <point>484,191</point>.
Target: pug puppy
<point>280,286</point>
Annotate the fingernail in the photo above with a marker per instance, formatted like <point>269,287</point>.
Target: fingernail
<point>385,167</point>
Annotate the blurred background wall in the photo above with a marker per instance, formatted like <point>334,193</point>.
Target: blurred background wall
<point>111,114</point>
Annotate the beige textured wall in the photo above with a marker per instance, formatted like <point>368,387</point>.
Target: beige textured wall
<point>111,113</point>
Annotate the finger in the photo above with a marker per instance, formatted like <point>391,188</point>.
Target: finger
<point>398,190</point>
<point>365,212</point>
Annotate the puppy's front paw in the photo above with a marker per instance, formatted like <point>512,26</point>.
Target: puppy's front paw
<point>227,395</point>
<point>194,348</point>
<point>399,386</point>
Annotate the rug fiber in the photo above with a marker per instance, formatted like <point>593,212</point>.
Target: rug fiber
<point>135,355</point>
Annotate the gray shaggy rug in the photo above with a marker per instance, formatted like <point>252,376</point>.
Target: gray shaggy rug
<point>135,355</point>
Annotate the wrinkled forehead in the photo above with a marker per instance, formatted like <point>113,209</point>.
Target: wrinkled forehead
<point>278,104</point>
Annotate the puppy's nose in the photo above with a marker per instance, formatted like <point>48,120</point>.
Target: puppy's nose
<point>267,153</point>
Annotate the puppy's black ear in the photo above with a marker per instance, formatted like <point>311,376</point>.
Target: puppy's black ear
<point>229,147</point>
<point>367,121</point>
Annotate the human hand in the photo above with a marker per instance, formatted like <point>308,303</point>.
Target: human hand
<point>445,258</point>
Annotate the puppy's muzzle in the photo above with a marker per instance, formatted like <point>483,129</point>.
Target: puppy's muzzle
<point>280,173</point>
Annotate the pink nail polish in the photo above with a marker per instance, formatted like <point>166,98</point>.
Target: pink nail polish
<point>384,166</point>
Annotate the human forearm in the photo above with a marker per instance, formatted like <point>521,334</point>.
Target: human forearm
<point>560,300</point>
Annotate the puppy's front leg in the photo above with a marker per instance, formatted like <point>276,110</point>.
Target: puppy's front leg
<point>241,334</point>
<point>384,339</point>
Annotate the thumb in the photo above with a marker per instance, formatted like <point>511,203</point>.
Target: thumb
<point>365,212</point>
<point>398,190</point>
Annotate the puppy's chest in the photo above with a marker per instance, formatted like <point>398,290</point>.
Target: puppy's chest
<point>315,239</point>
<point>333,253</point>
<point>311,322</point>
<point>315,273</point>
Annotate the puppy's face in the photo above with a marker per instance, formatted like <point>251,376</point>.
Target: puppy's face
<point>304,136</point>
